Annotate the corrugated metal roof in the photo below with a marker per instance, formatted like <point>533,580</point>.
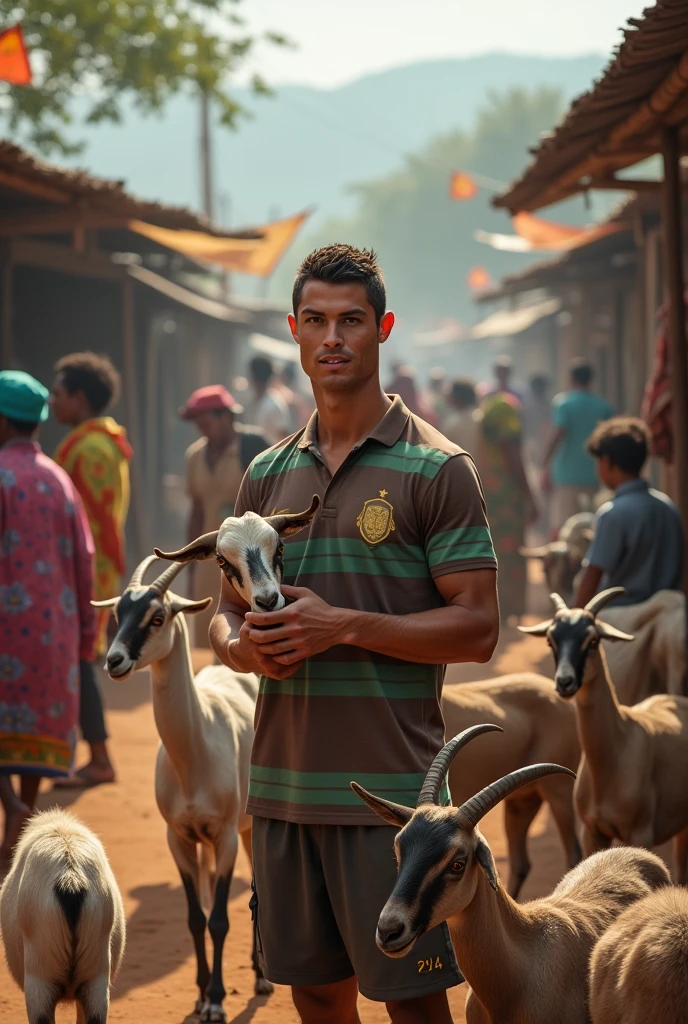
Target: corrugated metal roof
<point>617,123</point>
<point>507,322</point>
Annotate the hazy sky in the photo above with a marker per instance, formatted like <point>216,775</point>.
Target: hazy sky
<point>342,39</point>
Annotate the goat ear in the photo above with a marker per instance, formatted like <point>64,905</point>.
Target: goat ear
<point>483,855</point>
<point>541,629</point>
<point>110,603</point>
<point>183,604</point>
<point>395,814</point>
<point>199,549</point>
<point>540,552</point>
<point>287,523</point>
<point>608,632</point>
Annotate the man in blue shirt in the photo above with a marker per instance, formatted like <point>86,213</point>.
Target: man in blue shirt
<point>575,414</point>
<point>638,542</point>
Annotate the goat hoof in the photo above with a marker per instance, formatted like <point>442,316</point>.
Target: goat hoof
<point>264,987</point>
<point>213,1014</point>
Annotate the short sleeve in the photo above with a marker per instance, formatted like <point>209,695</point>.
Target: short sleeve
<point>247,500</point>
<point>456,536</point>
<point>560,416</point>
<point>607,548</point>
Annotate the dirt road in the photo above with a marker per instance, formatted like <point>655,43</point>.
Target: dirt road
<point>157,979</point>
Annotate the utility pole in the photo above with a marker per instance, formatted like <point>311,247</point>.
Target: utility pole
<point>206,157</point>
<point>225,204</point>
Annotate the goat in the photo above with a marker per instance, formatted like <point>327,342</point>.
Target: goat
<point>562,558</point>
<point>524,963</point>
<point>537,727</point>
<point>629,786</point>
<point>249,551</point>
<point>62,919</point>
<point>205,726</point>
<point>656,662</point>
<point>639,968</point>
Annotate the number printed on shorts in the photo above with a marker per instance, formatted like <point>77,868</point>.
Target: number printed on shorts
<point>424,966</point>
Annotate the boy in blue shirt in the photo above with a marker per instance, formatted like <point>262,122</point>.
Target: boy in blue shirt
<point>638,542</point>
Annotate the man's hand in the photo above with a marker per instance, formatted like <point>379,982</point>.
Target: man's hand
<point>308,626</point>
<point>248,656</point>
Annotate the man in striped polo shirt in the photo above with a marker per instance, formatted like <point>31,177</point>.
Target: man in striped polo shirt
<point>394,580</point>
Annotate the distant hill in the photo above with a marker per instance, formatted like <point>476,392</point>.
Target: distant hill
<point>305,145</point>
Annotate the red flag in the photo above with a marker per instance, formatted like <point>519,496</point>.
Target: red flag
<point>462,186</point>
<point>14,60</point>
<point>479,279</point>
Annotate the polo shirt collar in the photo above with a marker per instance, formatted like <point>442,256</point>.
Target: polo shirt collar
<point>631,487</point>
<point>387,431</point>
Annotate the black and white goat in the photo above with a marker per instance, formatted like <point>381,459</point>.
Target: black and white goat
<point>62,919</point>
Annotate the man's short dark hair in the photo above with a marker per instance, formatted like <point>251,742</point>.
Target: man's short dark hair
<point>581,372</point>
<point>93,374</point>
<point>261,369</point>
<point>625,440</point>
<point>22,427</point>
<point>463,391</point>
<point>343,264</point>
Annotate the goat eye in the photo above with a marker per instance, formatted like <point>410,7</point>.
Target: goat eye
<point>157,620</point>
<point>457,866</point>
<point>222,562</point>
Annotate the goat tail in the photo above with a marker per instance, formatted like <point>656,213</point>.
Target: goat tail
<point>206,877</point>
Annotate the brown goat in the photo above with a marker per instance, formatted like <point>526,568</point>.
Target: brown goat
<point>525,963</point>
<point>639,968</point>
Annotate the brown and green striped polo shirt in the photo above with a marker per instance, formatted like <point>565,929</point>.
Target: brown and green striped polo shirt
<point>405,507</point>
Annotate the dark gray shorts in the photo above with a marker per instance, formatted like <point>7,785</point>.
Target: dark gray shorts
<point>318,893</point>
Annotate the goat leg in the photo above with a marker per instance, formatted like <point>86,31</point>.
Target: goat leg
<point>218,926</point>
<point>519,813</point>
<point>197,923</point>
<point>93,999</point>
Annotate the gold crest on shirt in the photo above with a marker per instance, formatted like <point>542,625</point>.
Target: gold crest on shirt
<point>376,519</point>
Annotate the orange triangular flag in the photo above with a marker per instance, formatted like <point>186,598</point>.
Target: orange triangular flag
<point>462,186</point>
<point>479,279</point>
<point>14,60</point>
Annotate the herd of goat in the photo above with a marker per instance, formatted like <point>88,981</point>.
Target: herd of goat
<point>600,743</point>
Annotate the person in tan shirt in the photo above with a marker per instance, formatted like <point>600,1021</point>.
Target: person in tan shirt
<point>215,466</point>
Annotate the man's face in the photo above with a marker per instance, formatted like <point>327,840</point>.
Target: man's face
<point>339,338</point>
<point>503,377</point>
<point>607,472</point>
<point>66,408</point>
<point>216,425</point>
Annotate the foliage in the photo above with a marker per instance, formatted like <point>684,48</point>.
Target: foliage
<point>106,50</point>
<point>424,239</point>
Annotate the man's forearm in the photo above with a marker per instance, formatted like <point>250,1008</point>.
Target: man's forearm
<point>554,443</point>
<point>442,636</point>
<point>225,627</point>
<point>588,586</point>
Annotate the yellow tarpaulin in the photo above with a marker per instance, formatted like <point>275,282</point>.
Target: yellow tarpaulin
<point>257,256</point>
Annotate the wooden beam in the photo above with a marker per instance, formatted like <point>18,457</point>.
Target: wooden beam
<point>131,395</point>
<point>628,184</point>
<point>65,260</point>
<point>28,186</point>
<point>672,228</point>
<point>6,315</point>
<point>62,221</point>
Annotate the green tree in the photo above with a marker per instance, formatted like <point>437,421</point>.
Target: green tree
<point>425,240</point>
<point>108,50</point>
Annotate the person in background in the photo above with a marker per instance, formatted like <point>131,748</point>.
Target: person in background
<point>461,424</point>
<point>96,455</point>
<point>575,414</point>
<point>301,407</point>
<point>215,466</point>
<point>47,624</point>
<point>537,430</point>
<point>265,408</point>
<point>404,385</point>
<point>638,541</point>
<point>437,394</point>
<point>510,503</point>
<point>502,381</point>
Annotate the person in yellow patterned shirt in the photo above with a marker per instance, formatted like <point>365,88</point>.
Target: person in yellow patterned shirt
<point>96,455</point>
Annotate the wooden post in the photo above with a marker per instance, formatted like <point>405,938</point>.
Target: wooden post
<point>206,156</point>
<point>6,313</point>
<point>131,394</point>
<point>672,227</point>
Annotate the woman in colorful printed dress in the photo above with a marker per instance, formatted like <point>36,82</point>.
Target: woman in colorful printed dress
<point>96,455</point>
<point>47,624</point>
<point>510,504</point>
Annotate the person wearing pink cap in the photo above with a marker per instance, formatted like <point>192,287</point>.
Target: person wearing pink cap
<point>215,466</point>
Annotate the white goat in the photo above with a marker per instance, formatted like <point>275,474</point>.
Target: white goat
<point>525,963</point>
<point>630,785</point>
<point>249,551</point>
<point>639,968</point>
<point>205,726</point>
<point>656,662</point>
<point>537,727</point>
<point>562,558</point>
<point>62,919</point>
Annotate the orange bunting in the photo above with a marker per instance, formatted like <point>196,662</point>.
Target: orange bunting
<point>479,279</point>
<point>14,60</point>
<point>462,186</point>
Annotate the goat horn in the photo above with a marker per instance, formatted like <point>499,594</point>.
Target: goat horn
<point>199,549</point>
<point>430,793</point>
<point>162,584</point>
<point>600,601</point>
<point>140,571</point>
<point>477,807</point>
<point>558,602</point>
